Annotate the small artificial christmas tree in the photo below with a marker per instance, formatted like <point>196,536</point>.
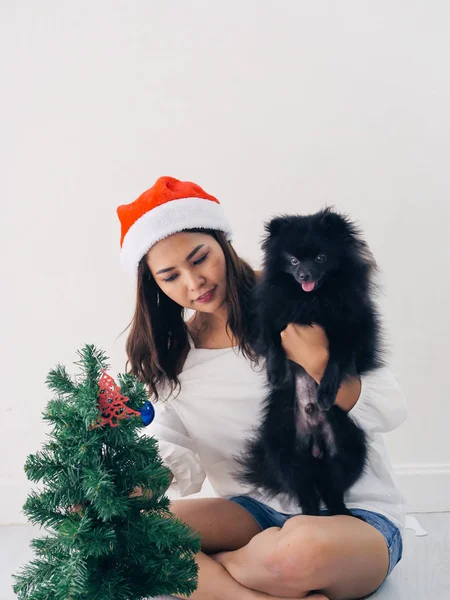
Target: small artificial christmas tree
<point>115,547</point>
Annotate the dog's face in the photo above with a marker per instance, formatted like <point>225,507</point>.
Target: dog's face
<point>309,271</point>
<point>315,248</point>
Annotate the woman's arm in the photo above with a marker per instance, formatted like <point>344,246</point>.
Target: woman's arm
<point>375,401</point>
<point>176,449</point>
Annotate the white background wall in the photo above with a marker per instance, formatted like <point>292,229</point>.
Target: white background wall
<point>269,105</point>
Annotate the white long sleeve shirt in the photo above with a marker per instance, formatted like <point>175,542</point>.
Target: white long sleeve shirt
<point>201,430</point>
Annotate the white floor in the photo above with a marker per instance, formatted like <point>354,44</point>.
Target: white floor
<point>423,574</point>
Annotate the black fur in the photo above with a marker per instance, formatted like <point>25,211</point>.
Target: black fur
<point>307,447</point>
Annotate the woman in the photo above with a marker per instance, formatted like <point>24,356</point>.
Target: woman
<point>175,238</point>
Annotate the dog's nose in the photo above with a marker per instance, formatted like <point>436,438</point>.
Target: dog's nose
<point>305,276</point>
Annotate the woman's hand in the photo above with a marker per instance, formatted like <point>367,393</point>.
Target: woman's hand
<point>136,493</point>
<point>76,508</point>
<point>307,345</point>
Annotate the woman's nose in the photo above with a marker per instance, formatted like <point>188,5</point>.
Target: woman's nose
<point>194,282</point>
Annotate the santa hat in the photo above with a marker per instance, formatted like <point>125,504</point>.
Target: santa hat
<point>168,207</point>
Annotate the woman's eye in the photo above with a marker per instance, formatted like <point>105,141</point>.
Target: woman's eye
<point>196,262</point>
<point>321,258</point>
<point>294,261</point>
<point>200,260</point>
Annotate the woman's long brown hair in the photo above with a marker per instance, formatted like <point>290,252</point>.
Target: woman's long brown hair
<point>158,336</point>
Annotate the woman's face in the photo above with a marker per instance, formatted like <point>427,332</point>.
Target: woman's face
<point>190,268</point>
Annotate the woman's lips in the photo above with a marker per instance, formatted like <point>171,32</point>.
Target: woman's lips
<point>207,296</point>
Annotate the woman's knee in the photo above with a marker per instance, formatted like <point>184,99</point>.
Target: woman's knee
<point>313,553</point>
<point>298,554</point>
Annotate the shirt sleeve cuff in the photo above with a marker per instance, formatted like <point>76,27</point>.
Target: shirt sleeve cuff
<point>381,406</point>
<point>187,470</point>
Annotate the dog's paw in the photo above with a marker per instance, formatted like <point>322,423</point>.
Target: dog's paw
<point>278,378</point>
<point>329,386</point>
<point>325,398</point>
<point>277,370</point>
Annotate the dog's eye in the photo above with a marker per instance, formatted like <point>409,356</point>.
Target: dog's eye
<point>294,261</point>
<point>321,258</point>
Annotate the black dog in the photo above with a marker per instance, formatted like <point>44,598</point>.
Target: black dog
<point>317,269</point>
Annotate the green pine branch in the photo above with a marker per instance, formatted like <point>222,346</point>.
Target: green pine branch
<point>59,381</point>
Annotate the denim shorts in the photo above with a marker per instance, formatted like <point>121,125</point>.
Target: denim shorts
<point>268,517</point>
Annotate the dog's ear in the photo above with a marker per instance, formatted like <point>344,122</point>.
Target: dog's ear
<point>276,226</point>
<point>341,226</point>
<point>328,218</point>
<point>334,223</point>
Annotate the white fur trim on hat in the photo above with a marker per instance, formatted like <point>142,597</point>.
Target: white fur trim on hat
<point>166,219</point>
